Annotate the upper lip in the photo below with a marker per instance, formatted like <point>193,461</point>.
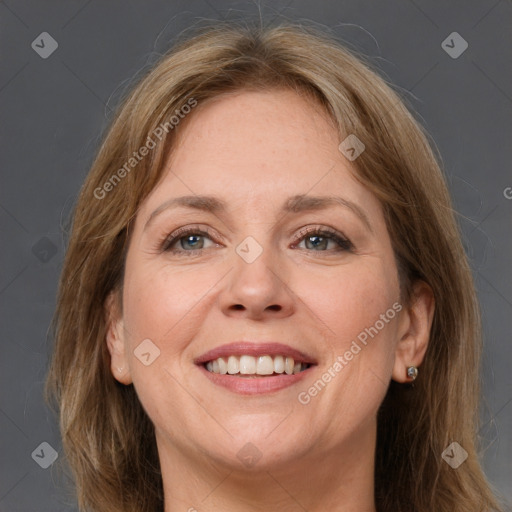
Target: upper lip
<point>240,348</point>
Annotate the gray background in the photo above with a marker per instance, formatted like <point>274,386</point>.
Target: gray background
<point>53,112</point>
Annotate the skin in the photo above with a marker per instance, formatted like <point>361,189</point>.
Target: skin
<point>253,150</point>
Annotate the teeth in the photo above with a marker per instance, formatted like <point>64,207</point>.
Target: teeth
<point>247,365</point>
<point>233,365</point>
<point>279,364</point>
<point>264,365</point>
<point>261,365</point>
<point>223,365</point>
<point>289,365</point>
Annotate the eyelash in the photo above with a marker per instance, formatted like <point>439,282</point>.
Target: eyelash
<point>344,244</point>
<point>171,239</point>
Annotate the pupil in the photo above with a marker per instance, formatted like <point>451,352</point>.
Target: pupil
<point>192,240</point>
<point>318,241</point>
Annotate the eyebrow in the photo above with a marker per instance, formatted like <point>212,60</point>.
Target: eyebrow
<point>294,204</point>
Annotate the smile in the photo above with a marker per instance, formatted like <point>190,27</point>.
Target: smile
<point>255,366</point>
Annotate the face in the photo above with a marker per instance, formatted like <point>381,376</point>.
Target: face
<point>263,267</point>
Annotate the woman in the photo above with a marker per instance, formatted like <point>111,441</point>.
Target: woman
<point>265,303</point>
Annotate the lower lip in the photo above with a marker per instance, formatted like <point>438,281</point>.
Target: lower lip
<point>255,385</point>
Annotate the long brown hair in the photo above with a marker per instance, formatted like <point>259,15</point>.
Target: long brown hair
<point>108,439</point>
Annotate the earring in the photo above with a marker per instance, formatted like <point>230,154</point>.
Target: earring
<point>120,370</point>
<point>412,372</point>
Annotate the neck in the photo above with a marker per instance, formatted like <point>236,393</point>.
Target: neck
<point>337,479</point>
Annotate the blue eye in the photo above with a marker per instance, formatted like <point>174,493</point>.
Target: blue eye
<point>189,240</point>
<point>320,238</point>
<point>192,240</point>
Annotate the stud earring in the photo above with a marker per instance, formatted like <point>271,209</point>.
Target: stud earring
<point>412,372</point>
<point>120,370</point>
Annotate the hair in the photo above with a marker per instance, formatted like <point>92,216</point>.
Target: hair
<point>107,436</point>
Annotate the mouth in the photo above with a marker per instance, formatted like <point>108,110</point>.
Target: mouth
<point>255,368</point>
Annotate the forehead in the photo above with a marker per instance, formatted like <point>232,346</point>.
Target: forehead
<point>257,147</point>
<point>238,125</point>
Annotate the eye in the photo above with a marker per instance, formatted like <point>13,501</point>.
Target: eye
<point>318,240</point>
<point>188,240</point>
<point>192,240</point>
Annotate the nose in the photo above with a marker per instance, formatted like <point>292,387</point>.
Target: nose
<point>258,289</point>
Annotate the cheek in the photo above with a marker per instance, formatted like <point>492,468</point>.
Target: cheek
<point>348,300</point>
<point>350,303</point>
<point>159,299</point>
<point>162,304</point>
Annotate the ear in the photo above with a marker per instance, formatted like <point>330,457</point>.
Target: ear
<point>116,343</point>
<point>414,331</point>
